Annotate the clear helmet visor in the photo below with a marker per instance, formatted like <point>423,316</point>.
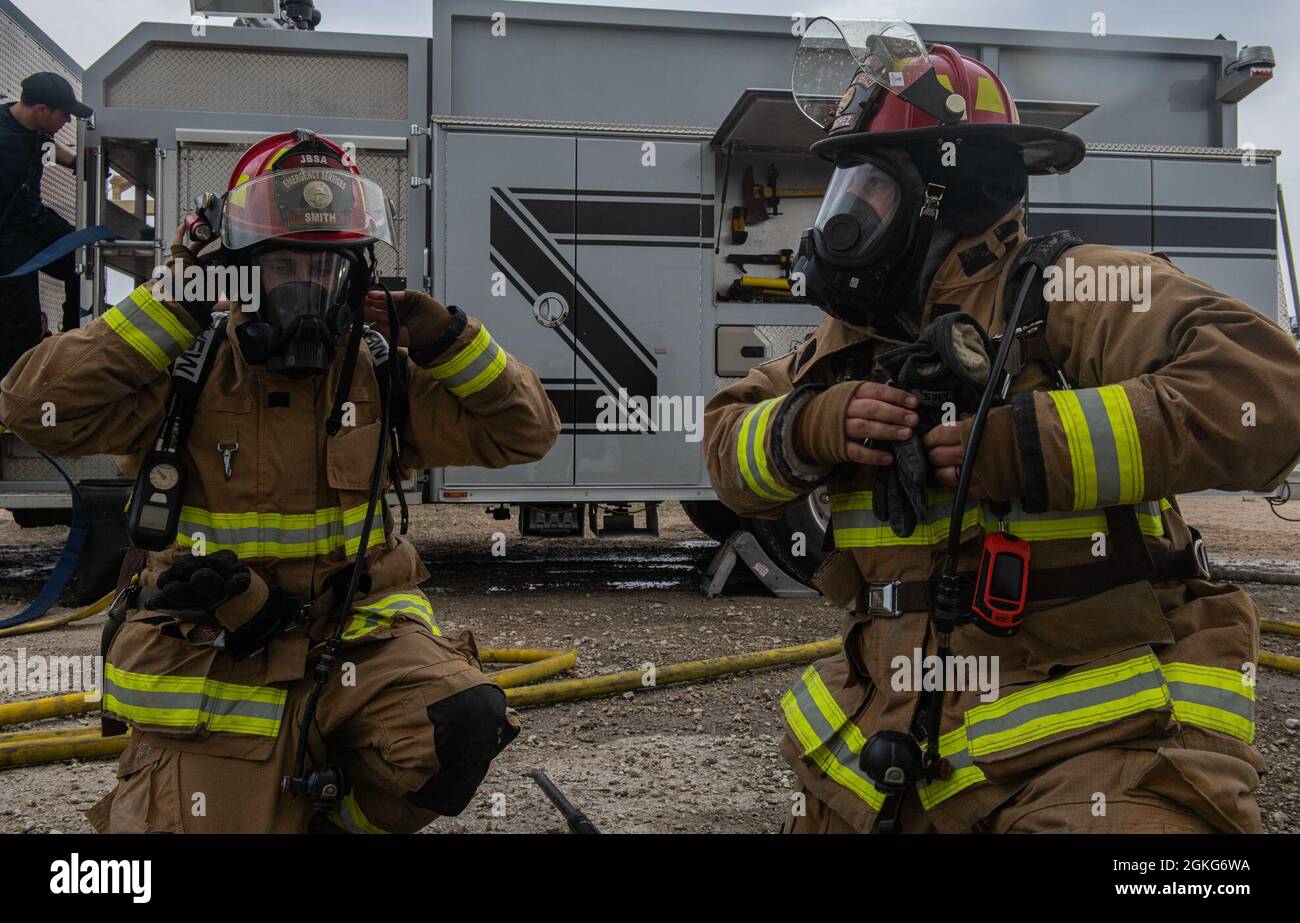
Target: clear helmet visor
<point>307,204</point>
<point>861,202</point>
<point>302,283</point>
<point>879,54</point>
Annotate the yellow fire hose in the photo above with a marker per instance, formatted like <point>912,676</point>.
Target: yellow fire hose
<point>46,624</point>
<point>1280,628</point>
<point>631,680</point>
<point>75,703</point>
<point>25,748</point>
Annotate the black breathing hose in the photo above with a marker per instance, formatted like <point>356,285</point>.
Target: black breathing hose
<point>326,662</point>
<point>949,609</point>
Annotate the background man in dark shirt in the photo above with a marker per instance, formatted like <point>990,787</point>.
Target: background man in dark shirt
<point>27,225</point>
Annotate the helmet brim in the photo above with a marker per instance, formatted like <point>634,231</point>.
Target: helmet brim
<point>1044,150</point>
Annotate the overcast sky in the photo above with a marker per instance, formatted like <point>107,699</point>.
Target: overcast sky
<point>1267,118</point>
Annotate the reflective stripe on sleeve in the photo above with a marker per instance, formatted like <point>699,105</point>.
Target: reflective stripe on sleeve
<point>1105,449</point>
<point>474,367</point>
<point>149,327</point>
<point>751,453</point>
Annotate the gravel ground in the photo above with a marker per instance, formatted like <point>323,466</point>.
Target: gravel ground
<point>688,758</point>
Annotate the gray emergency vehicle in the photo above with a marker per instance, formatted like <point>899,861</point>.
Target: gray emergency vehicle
<point>615,191</point>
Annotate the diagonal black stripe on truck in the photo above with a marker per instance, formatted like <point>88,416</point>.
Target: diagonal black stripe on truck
<point>541,268</point>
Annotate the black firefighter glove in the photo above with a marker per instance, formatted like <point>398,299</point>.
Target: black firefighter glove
<point>201,583</point>
<point>946,368</point>
<point>201,588</point>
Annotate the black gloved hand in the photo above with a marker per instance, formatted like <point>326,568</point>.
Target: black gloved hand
<point>282,611</point>
<point>201,582</point>
<point>899,496</point>
<point>947,365</point>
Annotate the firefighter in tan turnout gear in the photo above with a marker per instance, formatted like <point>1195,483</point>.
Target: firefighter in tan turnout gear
<point>1124,698</point>
<point>274,473</point>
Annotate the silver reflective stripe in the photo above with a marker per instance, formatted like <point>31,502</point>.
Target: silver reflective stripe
<point>194,701</point>
<point>1067,702</point>
<point>1232,702</point>
<point>831,738</point>
<point>478,366</point>
<point>1105,458</point>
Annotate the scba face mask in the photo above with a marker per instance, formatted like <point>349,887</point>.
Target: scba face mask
<point>859,255</point>
<point>309,300</point>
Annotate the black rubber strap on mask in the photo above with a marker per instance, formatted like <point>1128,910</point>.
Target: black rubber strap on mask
<point>1030,445</point>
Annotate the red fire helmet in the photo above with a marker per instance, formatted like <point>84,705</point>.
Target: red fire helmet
<point>304,190</point>
<point>875,83</point>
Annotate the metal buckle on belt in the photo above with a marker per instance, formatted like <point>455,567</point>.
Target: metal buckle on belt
<point>883,600</point>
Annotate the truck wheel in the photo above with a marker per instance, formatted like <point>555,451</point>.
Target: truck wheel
<point>712,517</point>
<point>809,517</point>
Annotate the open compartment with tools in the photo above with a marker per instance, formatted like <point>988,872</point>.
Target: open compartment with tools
<point>770,189</point>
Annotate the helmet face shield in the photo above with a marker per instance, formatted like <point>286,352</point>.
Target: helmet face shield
<point>862,203</point>
<point>839,62</point>
<point>314,205</point>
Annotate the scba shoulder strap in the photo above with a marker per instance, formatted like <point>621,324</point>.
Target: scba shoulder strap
<point>1031,334</point>
<point>398,413</point>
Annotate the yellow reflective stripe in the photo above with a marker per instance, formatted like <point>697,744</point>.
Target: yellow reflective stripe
<point>474,367</point>
<point>379,614</point>
<point>1079,443</point>
<point>835,745</point>
<point>856,526</point>
<point>149,327</point>
<point>281,535</point>
<point>1105,448</point>
<point>1082,699</point>
<point>350,817</point>
<point>963,773</point>
<point>190,701</point>
<point>483,378</point>
<point>464,357</point>
<point>1212,697</point>
<point>751,453</point>
<point>1128,445</point>
<point>946,81</point>
<point>987,97</point>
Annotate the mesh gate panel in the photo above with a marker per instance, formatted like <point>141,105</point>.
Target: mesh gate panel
<point>197,78</point>
<point>206,168</point>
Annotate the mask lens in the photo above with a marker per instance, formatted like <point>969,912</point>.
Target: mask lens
<point>297,283</point>
<point>861,202</point>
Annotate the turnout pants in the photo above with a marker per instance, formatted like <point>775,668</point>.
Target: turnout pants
<point>1111,790</point>
<point>410,717</point>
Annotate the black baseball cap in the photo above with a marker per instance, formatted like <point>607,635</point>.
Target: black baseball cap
<point>47,89</point>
